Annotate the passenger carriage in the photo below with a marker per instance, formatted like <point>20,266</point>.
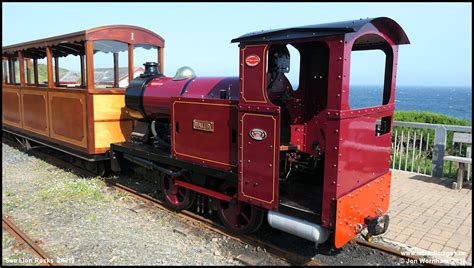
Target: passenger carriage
<point>80,115</point>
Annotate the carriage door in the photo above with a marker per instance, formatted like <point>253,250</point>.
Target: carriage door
<point>259,132</point>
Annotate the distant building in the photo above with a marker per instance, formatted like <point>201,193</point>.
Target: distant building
<point>102,77</point>
<point>70,78</point>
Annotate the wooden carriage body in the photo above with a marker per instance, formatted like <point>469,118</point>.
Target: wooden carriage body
<point>81,119</point>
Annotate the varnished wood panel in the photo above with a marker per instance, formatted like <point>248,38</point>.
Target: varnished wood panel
<point>67,115</point>
<point>35,111</point>
<point>11,107</point>
<point>125,33</point>
<point>109,107</point>
<point>111,132</point>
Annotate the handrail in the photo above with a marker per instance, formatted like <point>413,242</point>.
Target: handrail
<point>433,126</point>
<point>405,146</point>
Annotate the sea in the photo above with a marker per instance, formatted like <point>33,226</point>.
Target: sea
<point>451,101</point>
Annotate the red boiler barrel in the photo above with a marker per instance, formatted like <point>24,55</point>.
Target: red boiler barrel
<point>157,94</point>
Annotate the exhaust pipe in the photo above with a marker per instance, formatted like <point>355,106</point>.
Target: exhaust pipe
<point>301,228</point>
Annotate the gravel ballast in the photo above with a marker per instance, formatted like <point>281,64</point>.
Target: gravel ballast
<point>83,222</point>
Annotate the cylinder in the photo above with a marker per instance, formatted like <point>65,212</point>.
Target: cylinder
<point>301,228</point>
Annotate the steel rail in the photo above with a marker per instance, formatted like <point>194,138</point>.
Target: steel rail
<point>20,236</point>
<point>394,252</point>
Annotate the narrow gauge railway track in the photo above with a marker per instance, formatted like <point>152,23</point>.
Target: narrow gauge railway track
<point>22,238</point>
<point>188,216</point>
<point>292,258</point>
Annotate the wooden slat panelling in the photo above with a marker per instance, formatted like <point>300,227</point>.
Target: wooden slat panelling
<point>67,115</point>
<point>11,107</point>
<point>35,111</point>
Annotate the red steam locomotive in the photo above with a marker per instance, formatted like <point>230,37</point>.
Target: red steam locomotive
<point>257,146</point>
<point>253,146</point>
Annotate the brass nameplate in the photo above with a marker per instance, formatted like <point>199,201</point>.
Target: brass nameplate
<point>203,125</point>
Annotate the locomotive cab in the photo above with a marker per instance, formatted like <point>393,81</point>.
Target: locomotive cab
<point>332,173</point>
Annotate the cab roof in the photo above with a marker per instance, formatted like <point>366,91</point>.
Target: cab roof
<point>326,29</point>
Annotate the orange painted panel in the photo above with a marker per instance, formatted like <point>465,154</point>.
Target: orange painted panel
<point>359,204</point>
<point>106,133</point>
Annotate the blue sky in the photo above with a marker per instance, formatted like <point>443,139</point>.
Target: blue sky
<point>199,34</point>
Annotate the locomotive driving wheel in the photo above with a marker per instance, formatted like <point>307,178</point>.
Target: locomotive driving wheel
<point>176,197</point>
<point>239,217</point>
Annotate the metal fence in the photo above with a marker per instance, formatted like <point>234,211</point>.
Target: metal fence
<point>420,148</point>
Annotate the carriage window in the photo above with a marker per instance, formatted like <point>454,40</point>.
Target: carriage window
<point>143,53</point>
<point>29,71</point>
<point>5,72</point>
<point>41,71</point>
<point>110,64</point>
<point>15,76</point>
<point>69,71</point>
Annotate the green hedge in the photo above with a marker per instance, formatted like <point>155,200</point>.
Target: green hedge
<point>429,117</point>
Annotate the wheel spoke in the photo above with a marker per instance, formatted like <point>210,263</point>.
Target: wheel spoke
<point>181,193</point>
<point>173,199</point>
<point>245,218</point>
